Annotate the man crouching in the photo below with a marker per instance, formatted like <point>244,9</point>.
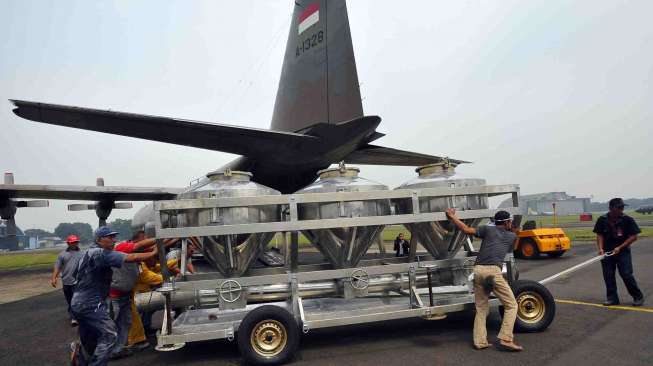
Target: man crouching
<point>498,240</point>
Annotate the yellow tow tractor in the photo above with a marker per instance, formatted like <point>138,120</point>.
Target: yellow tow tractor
<point>531,242</point>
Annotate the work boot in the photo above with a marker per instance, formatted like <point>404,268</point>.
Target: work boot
<point>509,346</point>
<point>638,302</point>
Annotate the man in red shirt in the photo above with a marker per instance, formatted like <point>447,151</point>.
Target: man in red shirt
<point>120,294</point>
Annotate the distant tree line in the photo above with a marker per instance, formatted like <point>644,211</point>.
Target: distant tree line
<point>633,204</point>
<point>83,230</point>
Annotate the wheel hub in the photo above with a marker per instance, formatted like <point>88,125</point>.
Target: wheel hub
<point>530,307</point>
<point>269,338</point>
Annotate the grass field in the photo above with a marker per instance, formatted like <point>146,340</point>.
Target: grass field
<point>11,261</point>
<point>548,220</point>
<point>389,235</point>
<point>586,234</point>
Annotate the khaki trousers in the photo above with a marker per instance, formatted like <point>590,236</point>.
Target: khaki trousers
<point>503,291</point>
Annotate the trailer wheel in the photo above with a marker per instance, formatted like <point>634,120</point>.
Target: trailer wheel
<point>556,254</point>
<point>268,335</point>
<point>536,307</point>
<point>528,249</point>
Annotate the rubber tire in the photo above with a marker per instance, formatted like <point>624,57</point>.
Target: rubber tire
<point>528,241</point>
<point>556,254</point>
<point>257,315</point>
<point>521,286</point>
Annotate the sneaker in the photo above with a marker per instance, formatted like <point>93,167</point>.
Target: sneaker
<point>610,303</point>
<point>74,353</point>
<point>73,323</point>
<point>140,346</point>
<point>121,354</point>
<point>638,302</point>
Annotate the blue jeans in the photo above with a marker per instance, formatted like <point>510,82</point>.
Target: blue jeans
<point>624,263</point>
<point>68,291</point>
<point>97,332</point>
<point>122,316</point>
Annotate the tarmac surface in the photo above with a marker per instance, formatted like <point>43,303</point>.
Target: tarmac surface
<point>34,331</point>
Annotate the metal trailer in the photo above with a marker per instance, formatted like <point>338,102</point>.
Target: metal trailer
<point>268,309</point>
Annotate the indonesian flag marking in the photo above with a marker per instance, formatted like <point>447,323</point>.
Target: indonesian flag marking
<point>309,16</point>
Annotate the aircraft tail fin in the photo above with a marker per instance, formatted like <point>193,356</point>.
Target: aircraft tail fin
<point>319,81</point>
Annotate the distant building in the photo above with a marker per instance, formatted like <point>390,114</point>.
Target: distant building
<point>50,241</point>
<point>18,242</point>
<point>542,204</point>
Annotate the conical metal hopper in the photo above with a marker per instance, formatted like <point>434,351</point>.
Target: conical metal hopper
<point>441,238</point>
<point>343,247</point>
<point>232,255</point>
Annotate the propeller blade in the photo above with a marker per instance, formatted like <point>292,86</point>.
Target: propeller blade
<point>37,203</point>
<point>122,205</point>
<point>81,206</point>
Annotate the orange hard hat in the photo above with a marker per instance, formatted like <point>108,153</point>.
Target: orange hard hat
<point>72,239</point>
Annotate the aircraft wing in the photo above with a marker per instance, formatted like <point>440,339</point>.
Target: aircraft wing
<point>379,155</point>
<point>89,193</point>
<point>250,142</point>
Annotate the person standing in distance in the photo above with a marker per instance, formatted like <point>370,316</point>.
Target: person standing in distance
<point>615,232</point>
<point>498,240</point>
<point>65,266</point>
<point>401,246</point>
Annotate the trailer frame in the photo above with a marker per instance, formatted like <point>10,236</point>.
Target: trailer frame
<point>422,287</point>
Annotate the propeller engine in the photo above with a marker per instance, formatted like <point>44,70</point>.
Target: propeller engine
<point>102,208</point>
<point>8,207</point>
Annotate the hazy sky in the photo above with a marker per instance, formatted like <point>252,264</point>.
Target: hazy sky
<point>552,95</point>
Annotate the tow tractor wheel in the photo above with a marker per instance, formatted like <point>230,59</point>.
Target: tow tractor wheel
<point>535,306</point>
<point>268,335</point>
<point>528,249</point>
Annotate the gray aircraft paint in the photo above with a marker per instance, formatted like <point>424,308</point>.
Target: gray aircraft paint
<point>318,84</point>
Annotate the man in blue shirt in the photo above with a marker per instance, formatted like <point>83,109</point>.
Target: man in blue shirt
<point>97,332</point>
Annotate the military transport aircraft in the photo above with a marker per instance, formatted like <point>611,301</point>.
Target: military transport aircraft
<point>318,120</point>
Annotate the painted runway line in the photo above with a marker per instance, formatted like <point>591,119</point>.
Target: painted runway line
<point>613,307</point>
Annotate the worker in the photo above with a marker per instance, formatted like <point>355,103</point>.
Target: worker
<point>121,295</point>
<point>65,266</point>
<point>97,332</point>
<point>401,246</point>
<point>497,241</point>
<point>148,279</point>
<point>193,245</point>
<point>615,232</point>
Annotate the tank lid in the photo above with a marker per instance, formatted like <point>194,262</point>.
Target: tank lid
<point>229,174</point>
<point>445,166</point>
<point>341,171</point>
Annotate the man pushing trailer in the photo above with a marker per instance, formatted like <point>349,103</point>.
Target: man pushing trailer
<point>97,332</point>
<point>498,240</point>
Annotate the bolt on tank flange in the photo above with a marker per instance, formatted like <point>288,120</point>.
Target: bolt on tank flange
<point>229,174</point>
